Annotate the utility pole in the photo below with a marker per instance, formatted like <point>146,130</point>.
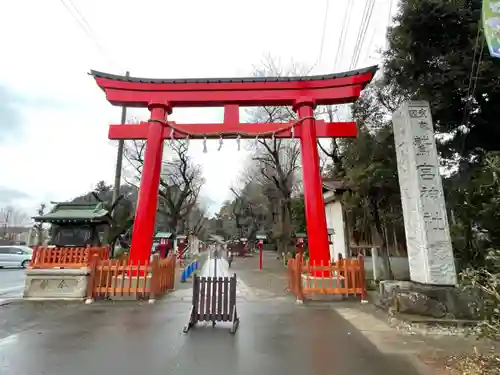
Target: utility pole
<point>119,156</point>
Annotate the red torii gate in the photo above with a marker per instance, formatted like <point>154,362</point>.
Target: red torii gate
<point>160,96</point>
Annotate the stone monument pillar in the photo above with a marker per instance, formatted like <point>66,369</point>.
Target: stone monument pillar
<point>428,240</point>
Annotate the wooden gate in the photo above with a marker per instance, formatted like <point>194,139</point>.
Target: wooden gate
<point>214,300</point>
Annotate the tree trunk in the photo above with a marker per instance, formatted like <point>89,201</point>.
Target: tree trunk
<point>39,235</point>
<point>384,250</point>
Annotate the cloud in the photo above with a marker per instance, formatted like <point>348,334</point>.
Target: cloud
<point>12,105</point>
<point>37,102</point>
<point>10,114</point>
<point>9,195</point>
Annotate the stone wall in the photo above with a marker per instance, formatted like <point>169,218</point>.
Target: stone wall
<point>437,301</point>
<point>399,265</point>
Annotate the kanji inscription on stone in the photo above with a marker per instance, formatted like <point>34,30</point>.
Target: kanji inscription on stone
<point>417,113</point>
<point>62,284</point>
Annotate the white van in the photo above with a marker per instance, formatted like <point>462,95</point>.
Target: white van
<point>15,256</point>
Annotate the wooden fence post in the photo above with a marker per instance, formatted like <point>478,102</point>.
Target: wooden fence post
<point>364,295</point>
<point>123,260</point>
<point>33,256</point>
<point>298,279</point>
<point>171,273</point>
<point>90,255</point>
<point>154,283</point>
<point>91,279</point>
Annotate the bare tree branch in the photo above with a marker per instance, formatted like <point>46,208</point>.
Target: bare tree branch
<point>180,182</point>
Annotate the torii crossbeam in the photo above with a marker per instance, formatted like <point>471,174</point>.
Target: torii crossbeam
<point>160,96</point>
<point>231,131</point>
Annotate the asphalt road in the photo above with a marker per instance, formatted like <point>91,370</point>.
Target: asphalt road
<point>129,339</point>
<point>11,283</point>
<point>275,336</point>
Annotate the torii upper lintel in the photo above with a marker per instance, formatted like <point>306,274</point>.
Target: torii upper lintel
<point>337,88</point>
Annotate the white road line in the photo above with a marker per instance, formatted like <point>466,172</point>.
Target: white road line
<point>18,288</point>
<point>5,301</point>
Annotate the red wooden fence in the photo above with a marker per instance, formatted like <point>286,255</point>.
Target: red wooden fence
<point>345,277</point>
<point>119,279</point>
<point>66,257</point>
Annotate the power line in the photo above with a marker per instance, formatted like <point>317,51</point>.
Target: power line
<point>322,36</point>
<point>324,31</point>
<point>81,16</point>
<point>367,12</point>
<point>340,50</point>
<point>82,26</point>
<point>368,52</point>
<point>389,16</point>
<point>367,15</point>
<point>360,31</point>
<point>367,24</point>
<point>343,34</point>
<point>387,41</point>
<point>471,91</point>
<point>87,29</point>
<point>467,104</point>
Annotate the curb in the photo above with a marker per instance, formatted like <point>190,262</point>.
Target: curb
<point>4,302</point>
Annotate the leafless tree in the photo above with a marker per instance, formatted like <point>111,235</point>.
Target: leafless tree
<point>180,182</point>
<point>38,227</point>
<point>196,221</point>
<point>278,159</point>
<point>250,208</point>
<point>11,217</point>
<point>180,185</point>
<point>333,152</point>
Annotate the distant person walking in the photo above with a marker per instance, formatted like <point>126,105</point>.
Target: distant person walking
<point>229,258</point>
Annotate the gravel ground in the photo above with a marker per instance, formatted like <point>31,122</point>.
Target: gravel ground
<point>452,350</point>
<point>272,279</point>
<point>433,329</point>
<point>472,363</point>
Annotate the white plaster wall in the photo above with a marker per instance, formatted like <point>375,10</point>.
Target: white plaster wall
<point>335,221</point>
<point>399,265</point>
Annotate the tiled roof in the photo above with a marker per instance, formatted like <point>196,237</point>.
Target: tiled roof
<point>333,185</point>
<point>163,235</point>
<point>370,69</point>
<point>75,212</point>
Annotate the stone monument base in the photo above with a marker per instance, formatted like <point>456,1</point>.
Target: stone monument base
<point>56,284</point>
<point>408,297</point>
<point>321,282</point>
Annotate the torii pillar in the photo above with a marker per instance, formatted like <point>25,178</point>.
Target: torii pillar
<point>144,222</point>
<point>319,251</point>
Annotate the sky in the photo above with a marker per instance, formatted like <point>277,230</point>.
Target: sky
<point>54,119</point>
